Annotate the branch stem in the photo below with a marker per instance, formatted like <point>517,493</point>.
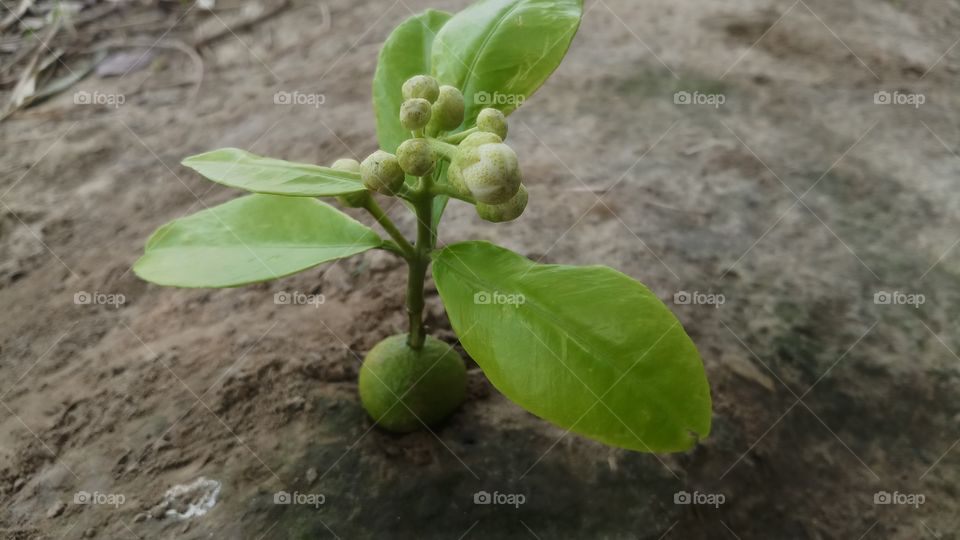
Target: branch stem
<point>371,206</point>
<point>423,208</point>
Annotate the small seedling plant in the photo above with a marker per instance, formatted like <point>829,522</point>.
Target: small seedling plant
<point>587,348</point>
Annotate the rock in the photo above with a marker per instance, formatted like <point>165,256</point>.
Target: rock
<point>142,516</point>
<point>56,509</point>
<point>90,533</point>
<point>311,476</point>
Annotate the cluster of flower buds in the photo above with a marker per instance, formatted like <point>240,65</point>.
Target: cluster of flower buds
<point>482,166</point>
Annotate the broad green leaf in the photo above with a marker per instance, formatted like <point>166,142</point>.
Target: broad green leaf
<point>498,52</point>
<point>405,53</point>
<point>250,239</point>
<point>240,169</point>
<point>587,348</point>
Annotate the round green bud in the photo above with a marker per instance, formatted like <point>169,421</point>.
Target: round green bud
<point>350,200</point>
<point>492,121</point>
<point>421,86</point>
<point>447,110</point>
<point>416,157</point>
<point>507,211</point>
<point>381,172</point>
<point>346,164</point>
<point>401,387</point>
<point>490,172</point>
<point>415,113</point>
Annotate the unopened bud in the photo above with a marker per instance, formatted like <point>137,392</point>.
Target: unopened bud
<point>350,200</point>
<point>381,172</point>
<point>414,114</point>
<point>421,86</point>
<point>492,121</point>
<point>346,164</point>
<point>508,211</point>
<point>490,172</point>
<point>416,157</point>
<point>447,110</point>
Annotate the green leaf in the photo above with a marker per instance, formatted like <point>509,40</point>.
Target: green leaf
<point>587,348</point>
<point>240,169</point>
<point>405,53</point>
<point>504,50</point>
<point>250,239</point>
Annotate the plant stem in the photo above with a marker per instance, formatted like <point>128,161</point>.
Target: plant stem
<point>378,214</point>
<point>456,138</point>
<point>450,191</point>
<point>423,207</point>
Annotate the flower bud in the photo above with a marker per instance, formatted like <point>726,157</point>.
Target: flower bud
<point>492,121</point>
<point>508,211</point>
<point>381,172</point>
<point>421,86</point>
<point>350,200</point>
<point>472,141</point>
<point>416,157</point>
<point>490,172</point>
<point>346,164</point>
<point>447,110</point>
<point>414,114</point>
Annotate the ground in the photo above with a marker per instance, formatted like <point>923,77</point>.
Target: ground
<point>799,199</point>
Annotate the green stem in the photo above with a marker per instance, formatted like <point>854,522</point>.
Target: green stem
<point>457,138</point>
<point>452,192</point>
<point>378,214</point>
<point>423,207</point>
<point>446,150</point>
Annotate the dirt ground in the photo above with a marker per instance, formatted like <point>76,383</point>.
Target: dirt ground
<point>800,199</point>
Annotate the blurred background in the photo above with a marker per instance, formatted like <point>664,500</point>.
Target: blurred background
<point>782,173</point>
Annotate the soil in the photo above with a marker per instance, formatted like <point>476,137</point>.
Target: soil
<point>797,199</point>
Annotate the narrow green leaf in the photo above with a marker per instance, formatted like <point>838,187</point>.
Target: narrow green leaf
<point>498,52</point>
<point>587,348</point>
<point>240,169</point>
<point>405,53</point>
<point>250,239</point>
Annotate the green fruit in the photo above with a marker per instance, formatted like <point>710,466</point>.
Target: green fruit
<point>403,389</point>
<point>421,86</point>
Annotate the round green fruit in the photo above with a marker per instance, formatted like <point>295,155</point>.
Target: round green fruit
<point>401,387</point>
